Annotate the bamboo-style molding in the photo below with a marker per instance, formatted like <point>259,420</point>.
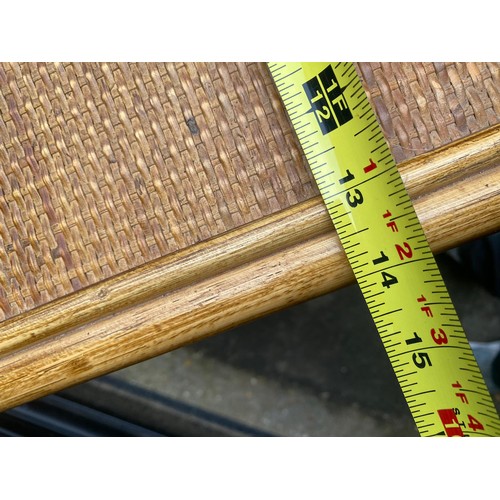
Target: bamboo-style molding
<point>220,283</point>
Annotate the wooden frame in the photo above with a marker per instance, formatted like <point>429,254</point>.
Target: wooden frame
<point>261,267</point>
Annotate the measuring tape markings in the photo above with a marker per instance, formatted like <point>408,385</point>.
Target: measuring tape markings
<point>387,248</point>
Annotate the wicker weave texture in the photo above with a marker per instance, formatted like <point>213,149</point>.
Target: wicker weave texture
<point>423,106</point>
<point>106,166</point>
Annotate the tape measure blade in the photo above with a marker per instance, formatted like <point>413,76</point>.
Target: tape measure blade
<point>386,247</point>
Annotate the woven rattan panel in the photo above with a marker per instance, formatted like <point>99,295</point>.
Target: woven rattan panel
<point>107,166</point>
<point>426,105</point>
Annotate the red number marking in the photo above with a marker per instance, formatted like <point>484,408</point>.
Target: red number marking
<point>475,424</point>
<point>439,338</point>
<point>370,167</point>
<point>404,252</point>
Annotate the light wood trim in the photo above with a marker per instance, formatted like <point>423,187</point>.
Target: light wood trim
<point>268,265</point>
<point>162,276</point>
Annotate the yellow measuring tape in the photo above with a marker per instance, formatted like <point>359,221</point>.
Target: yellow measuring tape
<point>387,248</point>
